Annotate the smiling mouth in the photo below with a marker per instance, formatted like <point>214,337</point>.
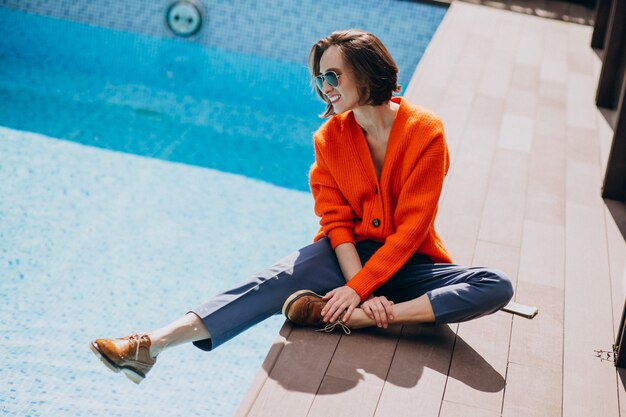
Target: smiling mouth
<point>334,98</point>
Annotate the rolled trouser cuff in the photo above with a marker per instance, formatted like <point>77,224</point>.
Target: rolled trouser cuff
<point>485,293</point>
<point>314,267</point>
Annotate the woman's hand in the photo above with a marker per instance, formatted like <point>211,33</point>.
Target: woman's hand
<point>339,300</point>
<point>379,309</point>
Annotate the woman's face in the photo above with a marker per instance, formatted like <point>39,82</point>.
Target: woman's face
<point>345,96</point>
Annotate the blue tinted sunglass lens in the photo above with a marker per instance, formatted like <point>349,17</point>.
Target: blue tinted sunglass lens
<point>331,79</point>
<point>319,81</point>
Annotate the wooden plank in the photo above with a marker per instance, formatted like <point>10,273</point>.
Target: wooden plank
<point>481,133</point>
<point>577,58</point>
<point>418,372</point>
<point>466,186</point>
<point>516,133</point>
<point>540,282</point>
<point>531,46</point>
<point>544,207</point>
<point>547,164</point>
<point>545,199</point>
<point>534,376</point>
<point>430,78</point>
<point>297,374</point>
<point>584,183</point>
<point>553,70</point>
<point>502,257</point>
<point>467,181</point>
<point>455,108</point>
<point>365,355</point>
<point>485,22</point>
<point>449,408</point>
<point>587,269</point>
<point>581,109</point>
<point>532,392</point>
<point>550,120</point>
<point>503,213</point>
<point>459,232</point>
<point>555,39</point>
<point>538,343</point>
<point>521,102</point>
<point>435,68</point>
<point>486,115</point>
<point>588,316</point>
<point>479,362</point>
<point>340,397</point>
<point>427,97</point>
<point>357,372</point>
<point>480,354</point>
<point>583,145</point>
<point>525,77</point>
<point>469,174</point>
<point>470,64</point>
<point>542,254</point>
<point>266,368</point>
<point>546,183</point>
<point>554,60</point>
<point>553,93</point>
<point>508,35</point>
<point>497,76</point>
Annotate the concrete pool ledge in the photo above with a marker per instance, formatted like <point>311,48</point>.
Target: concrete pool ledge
<point>528,148</point>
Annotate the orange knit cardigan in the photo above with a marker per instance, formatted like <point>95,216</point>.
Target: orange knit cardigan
<point>399,210</point>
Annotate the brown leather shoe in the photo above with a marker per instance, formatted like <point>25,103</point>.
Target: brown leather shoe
<point>305,308</point>
<point>130,354</point>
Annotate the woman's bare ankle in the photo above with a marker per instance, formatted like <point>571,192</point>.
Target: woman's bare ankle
<point>359,320</point>
<point>157,345</point>
<point>187,328</point>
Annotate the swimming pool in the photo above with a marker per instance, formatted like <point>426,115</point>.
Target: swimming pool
<point>141,174</point>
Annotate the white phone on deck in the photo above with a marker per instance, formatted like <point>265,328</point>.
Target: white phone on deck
<point>521,309</point>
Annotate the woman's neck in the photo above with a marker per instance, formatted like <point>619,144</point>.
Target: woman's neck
<point>376,119</point>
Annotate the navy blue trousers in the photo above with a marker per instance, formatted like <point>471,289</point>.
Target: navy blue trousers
<point>456,293</point>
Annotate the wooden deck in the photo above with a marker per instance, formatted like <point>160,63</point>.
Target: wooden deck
<point>529,148</point>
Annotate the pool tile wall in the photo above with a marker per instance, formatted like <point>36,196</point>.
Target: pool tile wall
<point>278,29</point>
<point>121,81</point>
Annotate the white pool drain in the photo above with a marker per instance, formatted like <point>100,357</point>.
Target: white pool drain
<point>183,18</point>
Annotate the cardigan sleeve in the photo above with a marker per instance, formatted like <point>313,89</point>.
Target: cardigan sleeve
<point>337,216</point>
<point>414,217</point>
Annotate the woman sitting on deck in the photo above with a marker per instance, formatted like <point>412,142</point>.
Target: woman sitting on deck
<point>380,163</point>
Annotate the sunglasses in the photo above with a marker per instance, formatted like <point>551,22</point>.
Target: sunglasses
<point>331,78</point>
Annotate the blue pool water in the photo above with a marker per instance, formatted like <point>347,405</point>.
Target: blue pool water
<point>169,100</point>
<point>138,176</point>
<point>181,102</point>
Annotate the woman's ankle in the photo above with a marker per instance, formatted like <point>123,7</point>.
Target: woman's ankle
<point>156,345</point>
<point>359,320</point>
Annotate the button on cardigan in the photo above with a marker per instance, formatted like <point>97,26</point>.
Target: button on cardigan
<point>399,209</point>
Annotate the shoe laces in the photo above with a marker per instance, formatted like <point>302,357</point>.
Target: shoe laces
<point>331,326</point>
<point>136,339</point>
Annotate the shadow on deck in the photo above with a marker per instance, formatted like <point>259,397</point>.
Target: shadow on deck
<point>529,149</point>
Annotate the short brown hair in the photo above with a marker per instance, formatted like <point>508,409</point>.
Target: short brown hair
<point>375,72</point>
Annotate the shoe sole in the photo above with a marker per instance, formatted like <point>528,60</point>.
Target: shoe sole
<point>130,373</point>
<point>293,297</point>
